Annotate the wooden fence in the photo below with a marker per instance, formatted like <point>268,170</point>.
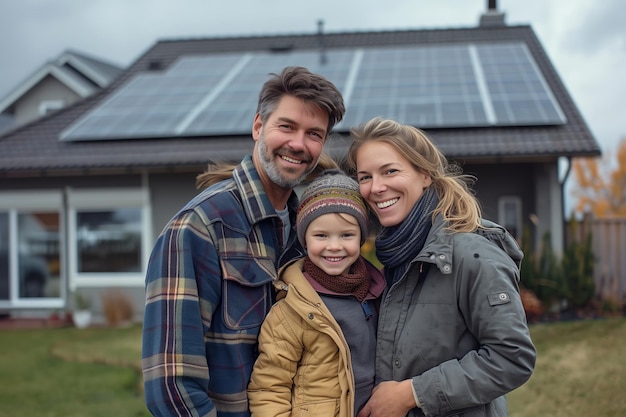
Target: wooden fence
<point>609,250</point>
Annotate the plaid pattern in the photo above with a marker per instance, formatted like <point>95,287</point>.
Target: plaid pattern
<point>208,289</point>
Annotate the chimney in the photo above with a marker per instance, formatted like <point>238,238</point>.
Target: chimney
<point>492,17</point>
<point>321,41</point>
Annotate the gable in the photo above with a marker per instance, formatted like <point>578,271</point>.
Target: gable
<point>49,94</point>
<point>78,73</point>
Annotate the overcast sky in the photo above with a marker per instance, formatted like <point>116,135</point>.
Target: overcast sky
<point>585,39</point>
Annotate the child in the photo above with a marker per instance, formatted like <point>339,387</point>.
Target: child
<point>317,345</point>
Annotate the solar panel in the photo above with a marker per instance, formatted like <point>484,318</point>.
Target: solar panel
<point>424,86</point>
<point>518,92</point>
<point>447,85</point>
<point>238,100</point>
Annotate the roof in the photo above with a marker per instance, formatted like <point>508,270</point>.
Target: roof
<point>82,74</point>
<point>37,147</point>
<point>6,122</point>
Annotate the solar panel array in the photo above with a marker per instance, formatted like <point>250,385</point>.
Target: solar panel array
<point>451,85</point>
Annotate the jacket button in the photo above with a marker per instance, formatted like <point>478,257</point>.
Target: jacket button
<point>397,363</point>
<point>310,316</point>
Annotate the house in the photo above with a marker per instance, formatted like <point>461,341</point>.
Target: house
<point>70,77</point>
<point>88,188</point>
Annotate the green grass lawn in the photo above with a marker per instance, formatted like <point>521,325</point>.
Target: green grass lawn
<point>67,372</point>
<point>581,368</point>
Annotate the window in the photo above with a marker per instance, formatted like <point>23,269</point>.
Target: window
<point>109,241</point>
<point>510,215</point>
<point>49,106</point>
<point>109,236</point>
<point>30,250</point>
<point>39,258</point>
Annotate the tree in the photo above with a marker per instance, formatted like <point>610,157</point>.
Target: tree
<point>601,185</point>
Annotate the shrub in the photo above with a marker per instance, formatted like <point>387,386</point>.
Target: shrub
<point>568,279</point>
<point>528,269</point>
<point>81,301</point>
<point>609,306</point>
<point>578,263</point>
<point>532,305</point>
<point>117,307</point>
<point>551,286</point>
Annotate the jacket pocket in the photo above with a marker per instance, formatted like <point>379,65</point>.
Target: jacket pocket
<point>317,409</point>
<point>247,290</point>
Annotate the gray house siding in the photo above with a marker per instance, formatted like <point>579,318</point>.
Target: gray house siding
<point>495,181</point>
<point>168,194</point>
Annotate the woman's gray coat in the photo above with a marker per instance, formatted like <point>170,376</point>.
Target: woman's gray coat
<point>455,324</point>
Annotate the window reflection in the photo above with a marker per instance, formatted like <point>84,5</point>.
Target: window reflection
<point>38,254</point>
<point>109,241</point>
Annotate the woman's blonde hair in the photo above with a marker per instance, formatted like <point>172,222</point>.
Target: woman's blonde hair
<point>457,203</point>
<point>215,173</point>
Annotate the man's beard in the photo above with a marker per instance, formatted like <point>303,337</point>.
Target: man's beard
<point>267,163</point>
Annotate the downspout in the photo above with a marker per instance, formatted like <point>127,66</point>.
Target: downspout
<point>565,177</point>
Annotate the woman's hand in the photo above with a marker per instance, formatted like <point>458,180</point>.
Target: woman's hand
<point>389,399</point>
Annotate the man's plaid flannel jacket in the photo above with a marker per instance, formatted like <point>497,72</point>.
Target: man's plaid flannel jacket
<point>208,289</point>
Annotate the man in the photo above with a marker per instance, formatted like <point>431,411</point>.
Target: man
<point>209,279</point>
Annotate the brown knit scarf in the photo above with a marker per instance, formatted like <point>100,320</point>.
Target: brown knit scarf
<point>356,281</point>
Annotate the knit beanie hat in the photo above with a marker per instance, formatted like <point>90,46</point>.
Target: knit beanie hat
<point>331,192</point>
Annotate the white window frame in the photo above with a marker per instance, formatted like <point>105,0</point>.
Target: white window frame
<point>503,202</point>
<point>15,202</point>
<point>107,199</point>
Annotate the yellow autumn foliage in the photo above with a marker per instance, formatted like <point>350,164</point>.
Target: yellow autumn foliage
<point>601,184</point>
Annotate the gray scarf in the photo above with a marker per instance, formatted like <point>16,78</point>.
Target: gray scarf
<point>397,246</point>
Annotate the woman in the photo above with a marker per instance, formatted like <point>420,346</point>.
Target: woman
<point>452,333</point>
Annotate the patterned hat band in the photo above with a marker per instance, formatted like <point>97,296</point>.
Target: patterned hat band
<point>331,192</point>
